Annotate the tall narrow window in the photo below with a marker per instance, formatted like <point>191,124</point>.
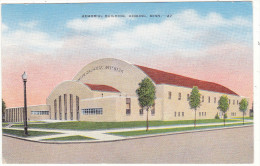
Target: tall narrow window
<point>202,98</point>
<point>228,101</point>
<point>188,97</point>
<point>141,111</point>
<point>179,98</point>
<point>237,102</point>
<point>128,106</point>
<point>215,99</point>
<point>209,99</point>
<point>153,110</point>
<point>77,107</point>
<point>179,114</point>
<point>182,113</point>
<point>60,107</point>
<point>55,109</point>
<point>174,114</point>
<point>169,95</point>
<point>233,102</point>
<point>71,107</point>
<point>65,106</point>
<point>199,113</point>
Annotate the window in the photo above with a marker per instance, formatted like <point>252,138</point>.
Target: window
<point>233,102</point>
<point>55,109</point>
<point>174,114</point>
<point>92,111</point>
<point>199,113</point>
<point>169,95</point>
<point>179,114</point>
<point>179,96</point>
<point>128,106</point>
<point>237,102</point>
<point>71,107</point>
<point>209,99</point>
<point>202,98</point>
<point>228,101</point>
<point>188,97</point>
<point>215,99</point>
<point>202,113</point>
<point>39,112</point>
<point>182,113</point>
<point>141,111</point>
<point>77,107</point>
<point>205,114</point>
<point>65,106</point>
<point>153,110</point>
<point>60,107</point>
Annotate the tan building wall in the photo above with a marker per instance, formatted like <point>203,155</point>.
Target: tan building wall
<point>69,89</point>
<point>208,108</point>
<point>37,112</point>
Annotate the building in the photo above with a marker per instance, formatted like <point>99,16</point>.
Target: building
<point>105,90</point>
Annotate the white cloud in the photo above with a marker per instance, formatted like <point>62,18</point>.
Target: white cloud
<point>36,40</point>
<point>30,24</point>
<point>4,27</point>
<point>94,24</point>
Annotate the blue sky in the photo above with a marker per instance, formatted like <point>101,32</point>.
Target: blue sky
<point>53,17</point>
<point>205,40</point>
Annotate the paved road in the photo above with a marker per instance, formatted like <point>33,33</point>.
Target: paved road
<point>218,146</point>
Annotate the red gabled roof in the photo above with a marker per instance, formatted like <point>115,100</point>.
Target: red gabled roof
<point>102,88</point>
<point>161,77</point>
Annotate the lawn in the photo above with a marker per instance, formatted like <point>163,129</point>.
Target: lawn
<point>20,133</point>
<point>169,130</point>
<point>69,138</point>
<point>4,124</point>
<point>250,118</point>
<point>83,125</point>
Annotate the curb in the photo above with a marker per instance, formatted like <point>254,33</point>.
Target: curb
<point>129,138</point>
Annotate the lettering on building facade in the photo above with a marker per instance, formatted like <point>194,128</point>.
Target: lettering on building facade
<point>111,68</point>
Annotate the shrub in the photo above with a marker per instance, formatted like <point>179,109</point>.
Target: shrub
<point>217,117</point>
<point>225,115</point>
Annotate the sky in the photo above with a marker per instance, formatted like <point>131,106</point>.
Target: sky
<point>211,41</point>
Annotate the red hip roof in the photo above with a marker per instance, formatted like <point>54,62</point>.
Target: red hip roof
<point>102,88</point>
<point>161,77</point>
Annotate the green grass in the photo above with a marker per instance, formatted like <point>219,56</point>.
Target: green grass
<point>83,125</point>
<point>69,138</point>
<point>158,131</point>
<point>4,124</point>
<point>250,118</point>
<point>20,133</point>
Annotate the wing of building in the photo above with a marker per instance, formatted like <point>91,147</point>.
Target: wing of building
<point>105,90</point>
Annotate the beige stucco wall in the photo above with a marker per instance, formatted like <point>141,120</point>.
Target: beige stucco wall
<point>68,87</point>
<point>112,72</point>
<point>16,114</point>
<point>170,106</point>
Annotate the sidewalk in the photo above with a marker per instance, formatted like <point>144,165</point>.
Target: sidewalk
<point>102,135</point>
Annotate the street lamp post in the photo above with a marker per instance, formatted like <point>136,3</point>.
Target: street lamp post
<point>24,76</point>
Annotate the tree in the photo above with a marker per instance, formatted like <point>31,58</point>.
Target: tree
<point>3,109</point>
<point>194,100</point>
<point>223,105</point>
<point>243,104</point>
<point>146,96</point>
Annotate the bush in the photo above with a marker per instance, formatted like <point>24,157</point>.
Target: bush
<point>217,117</point>
<point>225,115</point>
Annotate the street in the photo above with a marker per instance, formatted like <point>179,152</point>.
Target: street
<point>218,146</point>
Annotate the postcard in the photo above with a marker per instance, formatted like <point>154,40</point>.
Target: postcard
<point>127,82</point>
